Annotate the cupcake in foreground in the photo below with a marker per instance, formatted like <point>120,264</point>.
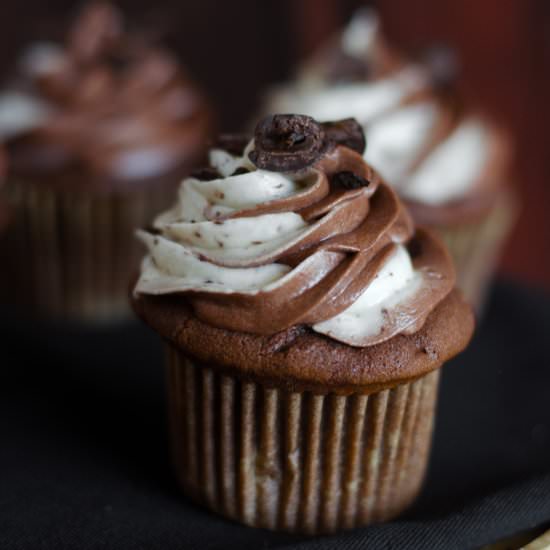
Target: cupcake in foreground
<point>98,133</point>
<point>306,321</point>
<point>448,162</point>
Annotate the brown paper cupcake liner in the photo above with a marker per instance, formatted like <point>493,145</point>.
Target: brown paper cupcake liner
<point>71,254</point>
<point>298,461</point>
<point>476,248</point>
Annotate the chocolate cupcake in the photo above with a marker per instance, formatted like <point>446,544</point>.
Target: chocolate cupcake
<point>98,131</point>
<point>305,322</point>
<point>449,162</point>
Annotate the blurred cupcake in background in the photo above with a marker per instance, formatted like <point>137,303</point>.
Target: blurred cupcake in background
<point>449,162</point>
<point>99,131</point>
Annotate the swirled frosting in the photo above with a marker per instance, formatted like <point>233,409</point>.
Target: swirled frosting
<point>417,138</point>
<point>106,100</point>
<point>327,245</point>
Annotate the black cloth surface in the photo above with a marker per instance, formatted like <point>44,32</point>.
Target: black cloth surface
<point>84,454</point>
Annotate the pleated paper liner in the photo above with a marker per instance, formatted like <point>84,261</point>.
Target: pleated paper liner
<point>476,247</point>
<point>298,462</point>
<point>71,254</point>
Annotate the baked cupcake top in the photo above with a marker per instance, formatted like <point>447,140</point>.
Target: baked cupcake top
<point>436,153</point>
<point>292,233</point>
<point>106,103</point>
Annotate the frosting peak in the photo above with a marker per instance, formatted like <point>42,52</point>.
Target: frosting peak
<point>325,244</point>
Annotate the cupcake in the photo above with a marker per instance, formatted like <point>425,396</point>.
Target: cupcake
<point>305,321</point>
<point>448,161</point>
<point>98,132</point>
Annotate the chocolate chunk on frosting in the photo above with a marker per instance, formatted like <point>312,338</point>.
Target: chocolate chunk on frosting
<point>346,132</point>
<point>287,142</point>
<point>265,250</point>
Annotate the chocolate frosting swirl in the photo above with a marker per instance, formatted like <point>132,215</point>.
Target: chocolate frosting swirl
<point>261,251</point>
<point>116,105</point>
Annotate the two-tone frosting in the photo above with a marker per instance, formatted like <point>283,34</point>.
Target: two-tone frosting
<point>418,140</point>
<point>106,100</point>
<point>294,228</point>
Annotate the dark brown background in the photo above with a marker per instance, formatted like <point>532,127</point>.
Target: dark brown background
<point>235,47</point>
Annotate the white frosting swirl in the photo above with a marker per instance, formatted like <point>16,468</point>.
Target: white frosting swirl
<point>452,168</point>
<point>363,101</point>
<point>395,283</point>
<point>196,250</point>
<point>359,37</point>
<point>21,112</point>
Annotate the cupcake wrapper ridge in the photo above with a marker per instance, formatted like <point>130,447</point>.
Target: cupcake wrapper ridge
<point>298,461</point>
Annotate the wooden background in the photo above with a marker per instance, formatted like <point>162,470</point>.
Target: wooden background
<point>236,47</point>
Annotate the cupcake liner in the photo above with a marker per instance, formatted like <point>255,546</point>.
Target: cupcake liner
<point>71,254</point>
<point>476,247</point>
<point>297,461</point>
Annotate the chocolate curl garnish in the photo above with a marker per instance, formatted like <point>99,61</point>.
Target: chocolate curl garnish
<point>97,28</point>
<point>286,143</point>
<point>347,132</point>
<point>232,143</point>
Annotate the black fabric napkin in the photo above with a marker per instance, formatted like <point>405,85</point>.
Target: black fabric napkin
<point>84,454</point>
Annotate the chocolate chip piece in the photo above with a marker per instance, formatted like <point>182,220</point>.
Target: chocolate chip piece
<point>347,132</point>
<point>233,143</point>
<point>240,170</point>
<point>348,180</point>
<point>205,174</point>
<point>285,143</point>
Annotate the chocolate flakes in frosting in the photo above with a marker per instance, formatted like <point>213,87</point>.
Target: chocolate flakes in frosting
<point>262,250</point>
